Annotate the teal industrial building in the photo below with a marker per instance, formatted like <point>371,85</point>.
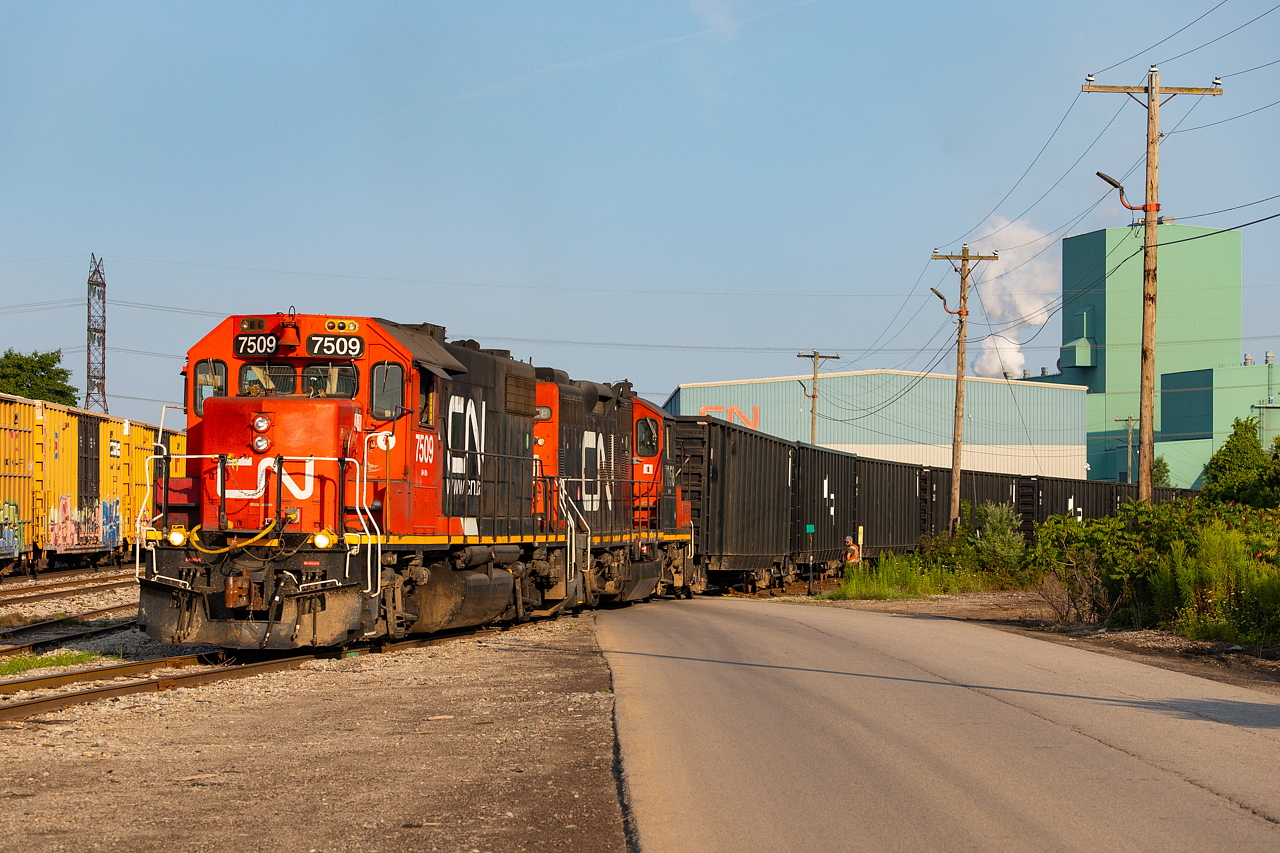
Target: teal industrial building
<point>1011,426</point>
<point>1201,385</point>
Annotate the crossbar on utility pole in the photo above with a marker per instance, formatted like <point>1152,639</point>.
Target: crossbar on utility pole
<point>1150,207</point>
<point>818,358</point>
<point>963,315</point>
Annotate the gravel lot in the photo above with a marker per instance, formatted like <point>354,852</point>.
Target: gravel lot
<point>502,743</point>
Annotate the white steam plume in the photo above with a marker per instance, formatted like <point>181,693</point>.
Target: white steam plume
<point>1016,295</point>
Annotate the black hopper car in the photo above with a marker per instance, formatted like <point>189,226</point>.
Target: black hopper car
<point>766,510</point>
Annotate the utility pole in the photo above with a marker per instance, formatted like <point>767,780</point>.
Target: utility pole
<point>818,358</point>
<point>95,385</point>
<point>963,314</point>
<point>1150,207</point>
<point>1128,422</point>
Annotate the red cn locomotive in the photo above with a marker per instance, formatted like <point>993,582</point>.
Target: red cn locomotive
<point>355,478</point>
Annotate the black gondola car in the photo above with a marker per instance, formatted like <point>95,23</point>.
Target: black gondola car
<point>738,484</point>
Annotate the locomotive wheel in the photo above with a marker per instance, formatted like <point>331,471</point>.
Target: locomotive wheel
<point>591,596</point>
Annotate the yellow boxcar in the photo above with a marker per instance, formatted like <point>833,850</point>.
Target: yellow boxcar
<point>57,492</point>
<point>17,473</point>
<point>73,482</point>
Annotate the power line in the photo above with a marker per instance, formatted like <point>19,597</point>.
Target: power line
<point>1026,171</point>
<point>1226,209</point>
<point>547,287</point>
<point>1063,177</point>
<point>1163,40</point>
<point>1221,37</point>
<point>1223,121</point>
<point>1254,68</point>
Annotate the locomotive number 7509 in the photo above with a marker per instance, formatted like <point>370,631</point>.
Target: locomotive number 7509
<point>256,344</point>
<point>343,346</point>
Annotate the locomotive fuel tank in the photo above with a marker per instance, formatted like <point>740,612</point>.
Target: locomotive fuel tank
<point>456,598</point>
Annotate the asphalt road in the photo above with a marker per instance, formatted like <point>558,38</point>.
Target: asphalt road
<point>767,726</point>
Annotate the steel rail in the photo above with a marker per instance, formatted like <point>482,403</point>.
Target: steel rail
<point>34,585</point>
<point>53,642</point>
<point>75,617</point>
<point>34,580</point>
<point>64,590</point>
<point>99,673</point>
<point>43,705</point>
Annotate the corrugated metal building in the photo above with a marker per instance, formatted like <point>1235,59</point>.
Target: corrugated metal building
<point>1011,426</point>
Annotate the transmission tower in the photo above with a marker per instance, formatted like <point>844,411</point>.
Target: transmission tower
<point>95,389</point>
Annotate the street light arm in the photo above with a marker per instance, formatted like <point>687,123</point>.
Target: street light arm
<point>1123,200</point>
<point>944,304</point>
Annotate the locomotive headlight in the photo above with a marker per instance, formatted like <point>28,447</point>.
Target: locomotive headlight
<point>261,423</point>
<point>323,539</point>
<point>177,537</point>
<point>261,443</point>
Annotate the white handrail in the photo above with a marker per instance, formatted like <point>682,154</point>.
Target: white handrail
<point>139,530</point>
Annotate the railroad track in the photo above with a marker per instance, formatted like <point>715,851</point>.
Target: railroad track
<point>45,704</point>
<point>9,634</point>
<point>53,642</point>
<point>8,580</point>
<point>66,589</point>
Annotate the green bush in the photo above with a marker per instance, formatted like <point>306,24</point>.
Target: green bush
<point>1203,569</point>
<point>905,576</point>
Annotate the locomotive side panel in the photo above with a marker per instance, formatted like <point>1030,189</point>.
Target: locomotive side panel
<point>488,438</point>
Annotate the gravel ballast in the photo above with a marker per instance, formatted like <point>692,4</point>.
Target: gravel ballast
<point>499,743</point>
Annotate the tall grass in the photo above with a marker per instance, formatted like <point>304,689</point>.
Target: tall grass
<point>1218,593</point>
<point>906,576</point>
<point>62,657</point>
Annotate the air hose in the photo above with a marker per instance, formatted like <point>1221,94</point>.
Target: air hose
<point>195,540</point>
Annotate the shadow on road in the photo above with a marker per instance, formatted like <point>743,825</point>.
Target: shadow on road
<point>1258,715</point>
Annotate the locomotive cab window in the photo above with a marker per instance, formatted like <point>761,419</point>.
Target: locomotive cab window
<point>330,380</point>
<point>211,381</point>
<point>387,391</point>
<point>426,399</point>
<point>257,380</point>
<point>646,437</point>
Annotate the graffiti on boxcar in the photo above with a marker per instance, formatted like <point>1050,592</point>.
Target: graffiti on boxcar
<point>109,522</point>
<point>10,530</point>
<point>62,523</point>
<point>95,524</point>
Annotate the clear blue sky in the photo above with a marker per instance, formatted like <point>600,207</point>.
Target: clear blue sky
<point>702,175</point>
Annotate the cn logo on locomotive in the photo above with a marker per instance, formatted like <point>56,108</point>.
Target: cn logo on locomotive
<point>301,492</point>
<point>466,445</point>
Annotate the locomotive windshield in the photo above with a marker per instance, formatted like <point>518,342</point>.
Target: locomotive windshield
<point>281,380</point>
<point>257,380</point>
<point>329,380</point>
